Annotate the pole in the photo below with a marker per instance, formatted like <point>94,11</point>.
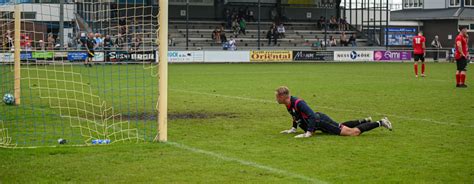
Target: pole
<point>387,11</point>
<point>187,24</point>
<point>325,26</point>
<point>61,23</point>
<point>380,22</point>
<point>258,25</point>
<point>163,73</point>
<point>17,68</point>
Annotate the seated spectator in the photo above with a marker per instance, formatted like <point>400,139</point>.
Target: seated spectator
<point>137,42</point>
<point>42,45</point>
<point>333,24</point>
<point>281,31</point>
<point>120,41</point>
<point>223,37</point>
<point>98,41</point>
<point>216,35</point>
<point>236,28</point>
<point>51,41</point>
<point>108,43</point>
<point>332,41</point>
<point>230,45</point>
<point>243,26</point>
<point>317,44</point>
<point>343,25</point>
<point>321,22</point>
<point>343,39</point>
<point>352,40</point>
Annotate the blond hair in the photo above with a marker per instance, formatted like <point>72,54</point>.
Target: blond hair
<point>283,90</point>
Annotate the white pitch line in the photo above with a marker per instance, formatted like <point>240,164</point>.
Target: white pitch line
<point>325,107</point>
<point>247,163</point>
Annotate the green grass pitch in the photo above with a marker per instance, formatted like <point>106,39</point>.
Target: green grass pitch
<point>224,128</point>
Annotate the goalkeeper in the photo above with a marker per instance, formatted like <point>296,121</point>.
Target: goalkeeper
<point>309,121</point>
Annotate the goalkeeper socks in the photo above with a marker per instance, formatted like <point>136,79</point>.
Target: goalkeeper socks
<point>368,126</point>
<point>422,68</point>
<point>416,69</point>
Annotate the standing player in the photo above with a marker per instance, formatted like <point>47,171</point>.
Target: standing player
<point>419,47</point>
<point>461,57</point>
<point>90,44</point>
<point>309,121</point>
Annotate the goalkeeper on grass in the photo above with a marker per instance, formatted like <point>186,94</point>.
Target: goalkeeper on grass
<point>309,121</point>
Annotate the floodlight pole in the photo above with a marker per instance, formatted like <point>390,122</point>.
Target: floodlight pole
<point>187,24</point>
<point>61,24</point>
<point>163,73</point>
<point>258,26</point>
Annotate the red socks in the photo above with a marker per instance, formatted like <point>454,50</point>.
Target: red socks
<point>422,68</point>
<point>416,69</point>
<point>458,78</point>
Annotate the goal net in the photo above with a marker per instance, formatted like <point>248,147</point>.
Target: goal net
<point>59,99</point>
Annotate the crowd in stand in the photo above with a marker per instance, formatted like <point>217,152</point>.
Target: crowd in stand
<point>333,23</point>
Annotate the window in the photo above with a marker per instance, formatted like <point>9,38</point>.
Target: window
<point>469,3</point>
<point>413,3</point>
<point>454,2</point>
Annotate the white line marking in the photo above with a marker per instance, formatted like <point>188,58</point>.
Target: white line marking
<point>247,163</point>
<point>325,107</point>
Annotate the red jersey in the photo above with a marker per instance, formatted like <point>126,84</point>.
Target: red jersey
<point>418,42</point>
<point>463,40</point>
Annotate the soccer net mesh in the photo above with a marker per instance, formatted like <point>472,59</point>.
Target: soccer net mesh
<point>61,98</point>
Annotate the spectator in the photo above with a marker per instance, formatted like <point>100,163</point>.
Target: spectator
<point>136,42</point>
<point>436,44</point>
<point>98,41</point>
<point>51,41</point>
<point>42,45</point>
<point>343,25</point>
<point>352,40</point>
<point>108,43</point>
<point>332,41</point>
<point>120,41</point>
<point>243,26</point>
<point>251,16</point>
<point>236,28</point>
<point>216,35</point>
<point>223,37</point>
<point>9,40</point>
<point>343,39</point>
<point>82,40</point>
<point>272,34</point>
<point>230,45</point>
<point>321,22</point>
<point>281,31</point>
<point>333,23</point>
<point>317,44</point>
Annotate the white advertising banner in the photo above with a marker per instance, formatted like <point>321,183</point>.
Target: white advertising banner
<point>353,55</point>
<point>186,56</point>
<point>226,56</point>
<point>6,57</point>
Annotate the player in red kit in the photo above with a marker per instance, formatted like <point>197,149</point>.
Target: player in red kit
<point>419,47</point>
<point>461,57</point>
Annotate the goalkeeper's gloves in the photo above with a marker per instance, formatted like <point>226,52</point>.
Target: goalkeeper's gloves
<point>290,131</point>
<point>305,135</point>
